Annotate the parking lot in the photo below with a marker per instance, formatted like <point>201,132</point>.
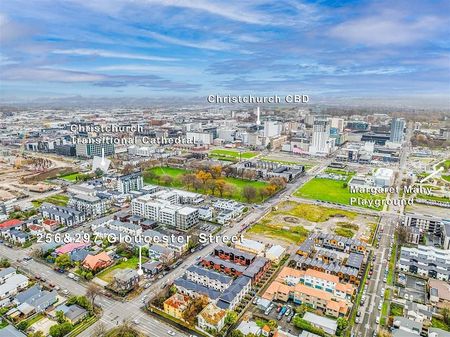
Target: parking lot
<point>414,290</point>
<point>284,321</point>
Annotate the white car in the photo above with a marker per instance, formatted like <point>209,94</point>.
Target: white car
<point>406,296</point>
<point>380,306</point>
<point>170,332</point>
<point>377,320</point>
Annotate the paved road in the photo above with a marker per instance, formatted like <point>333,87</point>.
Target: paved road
<point>388,221</point>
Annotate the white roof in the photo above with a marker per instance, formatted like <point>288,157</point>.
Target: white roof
<point>327,323</point>
<point>276,250</point>
<point>252,244</point>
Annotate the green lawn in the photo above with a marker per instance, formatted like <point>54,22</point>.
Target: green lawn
<point>432,197</point>
<point>286,162</point>
<point>396,310</point>
<point>70,177</point>
<point>57,199</point>
<point>447,178</point>
<point>107,274</point>
<point>440,324</point>
<point>445,164</point>
<point>334,191</point>
<point>233,153</point>
<point>177,173</point>
<point>296,234</point>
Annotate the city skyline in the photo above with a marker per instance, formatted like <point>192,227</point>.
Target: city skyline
<point>348,50</point>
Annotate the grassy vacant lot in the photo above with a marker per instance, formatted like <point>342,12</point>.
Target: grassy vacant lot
<point>295,234</point>
<point>333,191</point>
<point>233,154</point>
<point>312,213</point>
<point>57,199</point>
<point>346,229</point>
<point>396,310</point>
<point>107,274</point>
<point>176,174</point>
<point>273,226</point>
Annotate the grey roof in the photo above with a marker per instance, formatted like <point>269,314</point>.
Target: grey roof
<point>404,322</point>
<point>11,331</point>
<point>234,289</point>
<point>329,267</point>
<point>255,267</point>
<point>354,260</point>
<point>307,246</point>
<point>125,275</point>
<point>197,288</point>
<point>75,312</point>
<point>79,254</point>
<point>151,265</point>
<point>37,298</point>
<point>19,234</point>
<point>210,274</point>
<point>7,271</point>
<point>59,209</point>
<point>160,249</point>
<point>28,294</point>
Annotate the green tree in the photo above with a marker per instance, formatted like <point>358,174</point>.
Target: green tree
<point>172,289</point>
<point>236,333</point>
<point>60,316</point>
<point>231,317</point>
<point>98,173</point>
<point>342,324</point>
<point>4,263</point>
<point>63,261</point>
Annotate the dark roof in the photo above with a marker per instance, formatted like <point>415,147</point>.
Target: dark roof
<point>235,252</point>
<point>197,288</point>
<point>354,260</point>
<point>234,289</point>
<point>225,263</point>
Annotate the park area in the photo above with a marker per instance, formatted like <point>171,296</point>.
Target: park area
<point>235,190</point>
<point>291,222</point>
<point>231,155</point>
<point>335,191</point>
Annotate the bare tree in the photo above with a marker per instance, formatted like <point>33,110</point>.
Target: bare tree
<point>249,193</point>
<point>93,290</point>
<point>100,329</point>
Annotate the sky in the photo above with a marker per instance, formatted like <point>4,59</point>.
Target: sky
<point>158,48</point>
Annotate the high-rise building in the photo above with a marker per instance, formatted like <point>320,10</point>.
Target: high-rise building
<point>397,127</point>
<point>272,128</point>
<point>91,150</point>
<point>321,142</point>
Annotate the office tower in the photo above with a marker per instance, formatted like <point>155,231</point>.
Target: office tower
<point>397,127</point>
<point>321,142</point>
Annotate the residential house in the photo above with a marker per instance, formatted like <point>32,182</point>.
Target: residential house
<point>126,279</point>
<point>176,304</point>
<point>12,285</point>
<point>97,262</point>
<point>212,317</point>
<point>64,215</point>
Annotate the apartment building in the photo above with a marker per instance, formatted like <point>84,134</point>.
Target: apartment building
<point>208,278</point>
<point>234,294</point>
<point>234,255</point>
<point>64,215</point>
<point>125,227</point>
<point>130,182</point>
<point>427,261</point>
<point>426,223</point>
<point>92,206</point>
<point>180,217</point>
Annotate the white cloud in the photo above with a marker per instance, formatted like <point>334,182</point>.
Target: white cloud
<point>211,45</point>
<point>386,29</point>
<point>111,54</point>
